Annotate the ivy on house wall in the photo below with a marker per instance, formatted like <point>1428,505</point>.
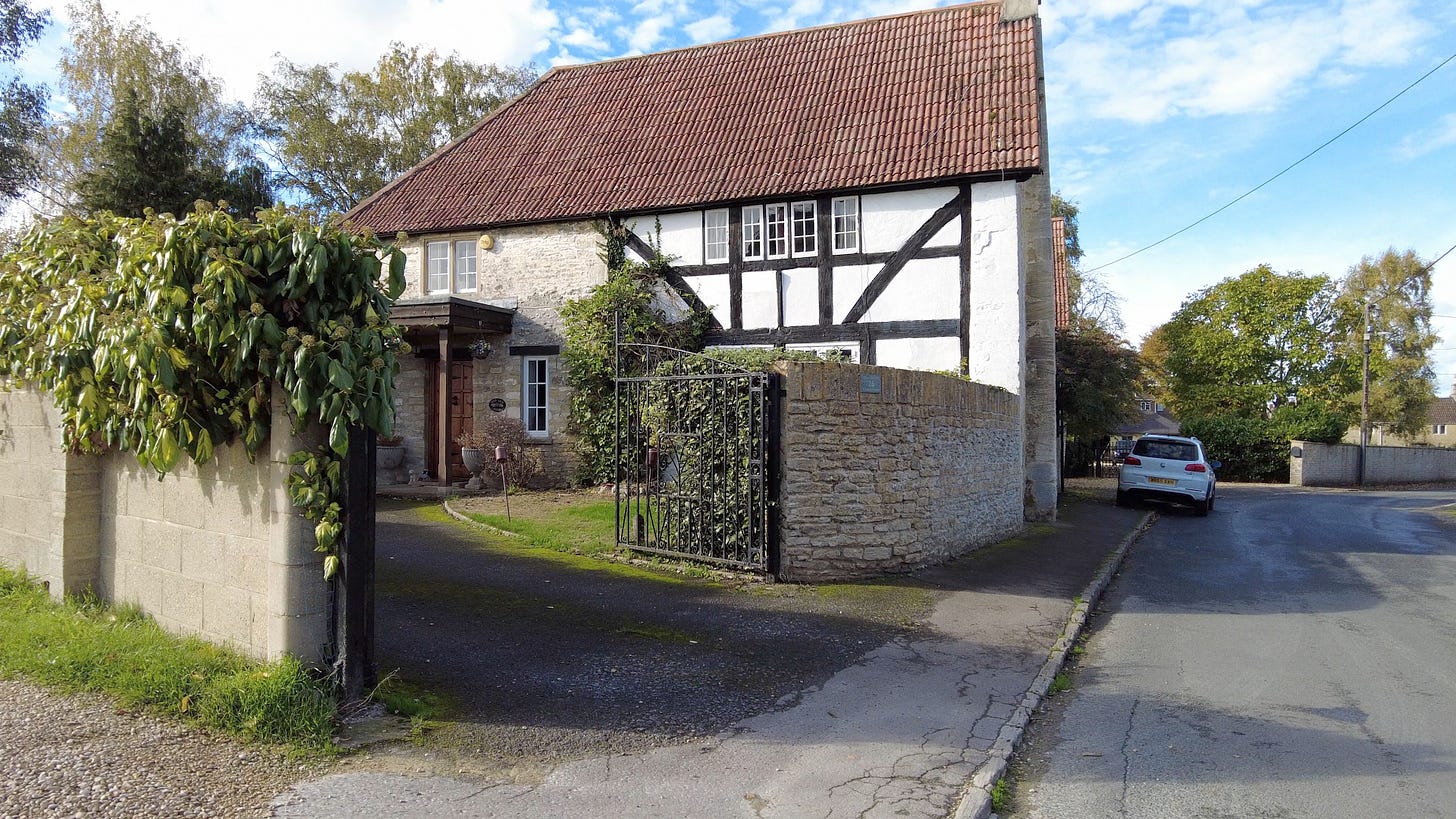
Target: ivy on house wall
<point>164,338</point>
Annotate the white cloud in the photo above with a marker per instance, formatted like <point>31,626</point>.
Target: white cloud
<point>1441,134</point>
<point>708,29</point>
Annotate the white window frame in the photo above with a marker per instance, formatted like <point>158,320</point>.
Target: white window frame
<point>530,410</point>
<point>803,243</point>
<point>715,236</point>
<point>845,221</point>
<point>753,238</point>
<point>776,230</point>
<point>464,280</point>
<point>1438,429</point>
<point>437,277</point>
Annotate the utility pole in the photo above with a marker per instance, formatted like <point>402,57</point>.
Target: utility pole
<point>1365,395</point>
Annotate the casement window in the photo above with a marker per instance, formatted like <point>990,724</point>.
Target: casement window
<point>450,269</point>
<point>437,261</point>
<point>753,232</point>
<point>1438,429</point>
<point>776,230</point>
<point>534,389</point>
<point>465,267</point>
<point>805,228</point>
<point>846,224</point>
<point>715,236</point>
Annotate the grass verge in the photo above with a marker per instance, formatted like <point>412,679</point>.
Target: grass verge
<point>84,645</point>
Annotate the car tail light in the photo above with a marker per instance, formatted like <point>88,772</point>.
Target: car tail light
<point>1195,468</point>
<point>1132,460</point>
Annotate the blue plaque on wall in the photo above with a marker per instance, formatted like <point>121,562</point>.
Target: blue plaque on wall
<point>869,382</point>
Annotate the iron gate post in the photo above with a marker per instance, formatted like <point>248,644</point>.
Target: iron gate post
<point>356,673</point>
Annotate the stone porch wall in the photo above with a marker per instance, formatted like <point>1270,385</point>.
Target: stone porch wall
<point>927,468</point>
<point>216,551</point>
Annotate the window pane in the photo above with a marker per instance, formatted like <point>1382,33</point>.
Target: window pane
<point>715,236</point>
<point>437,265</point>
<point>753,232</point>
<point>805,219</point>
<point>846,223</point>
<point>776,227</point>
<point>465,267</point>
<point>534,400</point>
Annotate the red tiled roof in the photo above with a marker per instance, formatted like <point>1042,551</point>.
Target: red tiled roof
<point>1060,271</point>
<point>1443,410</point>
<point>930,95</point>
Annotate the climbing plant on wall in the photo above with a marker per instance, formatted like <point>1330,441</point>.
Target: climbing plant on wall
<point>165,338</point>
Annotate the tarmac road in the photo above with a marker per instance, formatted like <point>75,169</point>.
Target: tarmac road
<point>1291,655</point>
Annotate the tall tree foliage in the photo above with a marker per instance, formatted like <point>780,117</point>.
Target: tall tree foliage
<point>1249,345</point>
<point>1397,288</point>
<point>22,107</point>
<point>1092,302</point>
<point>112,64</point>
<point>338,137</point>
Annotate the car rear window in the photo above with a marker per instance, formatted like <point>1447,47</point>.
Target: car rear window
<point>1168,450</point>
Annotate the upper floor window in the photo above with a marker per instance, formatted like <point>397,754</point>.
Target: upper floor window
<point>450,267</point>
<point>715,236</point>
<point>753,232</point>
<point>846,224</point>
<point>805,228</point>
<point>776,230</point>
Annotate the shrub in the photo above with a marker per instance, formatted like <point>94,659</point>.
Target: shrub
<point>1251,449</point>
<point>524,462</point>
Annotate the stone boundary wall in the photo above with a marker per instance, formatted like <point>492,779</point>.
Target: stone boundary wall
<point>216,551</point>
<point>1339,464</point>
<point>927,468</point>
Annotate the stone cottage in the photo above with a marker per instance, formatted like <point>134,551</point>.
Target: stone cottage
<point>877,187</point>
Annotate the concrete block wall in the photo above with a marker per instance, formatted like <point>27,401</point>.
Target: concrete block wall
<point>928,468</point>
<point>1339,464</point>
<point>216,551</point>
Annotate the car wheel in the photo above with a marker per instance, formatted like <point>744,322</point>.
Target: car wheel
<point>1201,508</point>
<point>1211,493</point>
<point>1122,499</point>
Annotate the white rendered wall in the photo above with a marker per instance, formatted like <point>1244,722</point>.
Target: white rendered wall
<point>760,299</point>
<point>924,289</point>
<point>890,218</point>
<point>801,296</point>
<point>998,322</point>
<point>919,353</point>
<point>714,292</point>
<point>682,235</point>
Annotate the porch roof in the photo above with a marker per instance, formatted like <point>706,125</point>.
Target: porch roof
<point>452,312</point>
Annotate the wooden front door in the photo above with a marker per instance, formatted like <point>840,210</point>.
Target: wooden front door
<point>462,414</point>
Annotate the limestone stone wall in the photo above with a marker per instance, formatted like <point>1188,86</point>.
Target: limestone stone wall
<point>886,470</point>
<point>216,551</point>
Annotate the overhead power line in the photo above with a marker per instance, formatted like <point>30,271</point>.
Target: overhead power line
<point>1287,169</point>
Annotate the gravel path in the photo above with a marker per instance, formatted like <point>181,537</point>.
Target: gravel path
<point>83,756</point>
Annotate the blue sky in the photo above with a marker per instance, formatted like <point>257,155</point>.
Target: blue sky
<point>1160,112</point>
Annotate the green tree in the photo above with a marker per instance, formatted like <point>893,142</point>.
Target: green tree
<point>1098,380</point>
<point>1249,345</point>
<point>110,63</point>
<point>145,161</point>
<point>22,107</point>
<point>340,137</point>
<point>1397,288</point>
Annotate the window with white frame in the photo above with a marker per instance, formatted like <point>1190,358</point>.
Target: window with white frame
<point>1438,429</point>
<point>753,232</point>
<point>534,383</point>
<point>450,266</point>
<point>437,266</point>
<point>805,228</point>
<point>715,236</point>
<point>846,224</point>
<point>465,267</point>
<point>776,230</point>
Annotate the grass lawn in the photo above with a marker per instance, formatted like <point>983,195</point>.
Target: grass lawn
<point>83,645</point>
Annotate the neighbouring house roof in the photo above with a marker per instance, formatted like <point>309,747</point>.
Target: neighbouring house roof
<point>914,98</point>
<point>1155,422</point>
<point>1443,410</point>
<point>1060,270</point>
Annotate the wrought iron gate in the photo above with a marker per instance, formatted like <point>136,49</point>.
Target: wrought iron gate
<point>692,456</point>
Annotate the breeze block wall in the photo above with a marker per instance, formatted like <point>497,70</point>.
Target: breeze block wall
<point>886,470</point>
<point>216,551</point>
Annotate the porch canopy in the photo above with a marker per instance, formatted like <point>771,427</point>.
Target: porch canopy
<point>445,322</point>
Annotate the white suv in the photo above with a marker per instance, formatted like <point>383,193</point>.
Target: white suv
<point>1168,468</point>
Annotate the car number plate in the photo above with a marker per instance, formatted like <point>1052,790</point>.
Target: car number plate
<point>1168,481</point>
